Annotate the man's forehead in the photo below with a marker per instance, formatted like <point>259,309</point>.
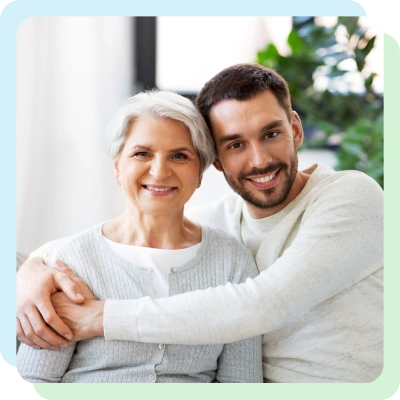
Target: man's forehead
<point>259,110</point>
<point>263,102</point>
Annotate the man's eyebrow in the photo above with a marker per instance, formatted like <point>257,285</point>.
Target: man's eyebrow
<point>234,136</point>
<point>272,125</point>
<point>228,138</point>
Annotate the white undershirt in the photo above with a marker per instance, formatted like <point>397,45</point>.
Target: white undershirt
<point>159,260</point>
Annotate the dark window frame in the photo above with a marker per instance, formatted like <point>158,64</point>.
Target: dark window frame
<point>145,38</point>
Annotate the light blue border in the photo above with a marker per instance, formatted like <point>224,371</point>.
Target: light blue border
<point>15,13</point>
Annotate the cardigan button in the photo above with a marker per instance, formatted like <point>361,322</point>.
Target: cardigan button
<point>173,270</point>
<point>161,346</point>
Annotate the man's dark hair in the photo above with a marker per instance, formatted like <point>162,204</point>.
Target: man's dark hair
<point>242,82</point>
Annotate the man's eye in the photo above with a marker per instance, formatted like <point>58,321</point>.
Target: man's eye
<point>179,156</point>
<point>271,135</point>
<point>234,146</point>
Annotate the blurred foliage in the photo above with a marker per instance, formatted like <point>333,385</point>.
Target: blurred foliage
<point>334,56</point>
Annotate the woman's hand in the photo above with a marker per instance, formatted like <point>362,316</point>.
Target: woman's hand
<point>37,321</point>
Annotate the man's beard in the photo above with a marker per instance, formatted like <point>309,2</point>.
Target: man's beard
<point>270,197</point>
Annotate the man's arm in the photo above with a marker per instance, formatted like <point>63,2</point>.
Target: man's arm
<point>37,320</point>
<point>339,243</point>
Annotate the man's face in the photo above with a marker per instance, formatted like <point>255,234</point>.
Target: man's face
<point>256,150</point>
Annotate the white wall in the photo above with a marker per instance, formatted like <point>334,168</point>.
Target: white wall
<point>72,72</point>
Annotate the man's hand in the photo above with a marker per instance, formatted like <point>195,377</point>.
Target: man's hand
<point>85,320</point>
<point>37,321</point>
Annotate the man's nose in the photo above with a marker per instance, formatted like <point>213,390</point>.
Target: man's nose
<point>259,156</point>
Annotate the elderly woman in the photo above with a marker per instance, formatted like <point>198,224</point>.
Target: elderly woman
<point>160,146</point>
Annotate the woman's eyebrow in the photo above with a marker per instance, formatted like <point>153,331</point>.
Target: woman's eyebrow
<point>181,149</point>
<point>144,147</point>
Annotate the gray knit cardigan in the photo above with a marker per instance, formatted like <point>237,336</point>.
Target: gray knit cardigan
<point>220,259</point>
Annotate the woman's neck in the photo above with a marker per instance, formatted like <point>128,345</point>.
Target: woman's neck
<point>171,231</point>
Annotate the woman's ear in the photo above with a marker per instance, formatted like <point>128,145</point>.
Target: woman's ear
<point>116,169</point>
<point>200,179</point>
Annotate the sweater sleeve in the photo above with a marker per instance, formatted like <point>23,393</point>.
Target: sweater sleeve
<point>43,366</point>
<point>339,243</point>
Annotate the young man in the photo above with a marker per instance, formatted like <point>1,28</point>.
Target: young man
<point>316,235</point>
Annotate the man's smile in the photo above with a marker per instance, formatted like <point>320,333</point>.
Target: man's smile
<point>265,181</point>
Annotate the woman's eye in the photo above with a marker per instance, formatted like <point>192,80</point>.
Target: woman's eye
<point>235,146</point>
<point>179,156</point>
<point>141,154</point>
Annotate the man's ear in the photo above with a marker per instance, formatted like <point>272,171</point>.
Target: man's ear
<point>217,163</point>
<point>297,128</point>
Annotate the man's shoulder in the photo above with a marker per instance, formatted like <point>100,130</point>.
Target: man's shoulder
<point>326,181</point>
<point>334,192</point>
<point>224,213</point>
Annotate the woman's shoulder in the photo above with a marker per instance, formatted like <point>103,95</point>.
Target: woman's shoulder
<point>224,242</point>
<point>85,237</point>
<point>81,244</point>
<point>227,248</point>
<point>219,236</point>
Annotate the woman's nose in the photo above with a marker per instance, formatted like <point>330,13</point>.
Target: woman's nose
<point>160,169</point>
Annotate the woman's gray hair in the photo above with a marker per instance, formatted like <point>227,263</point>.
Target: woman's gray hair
<point>164,104</point>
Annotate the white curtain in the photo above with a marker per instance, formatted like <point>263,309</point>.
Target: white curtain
<point>72,72</point>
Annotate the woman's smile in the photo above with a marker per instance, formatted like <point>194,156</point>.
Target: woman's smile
<point>156,190</point>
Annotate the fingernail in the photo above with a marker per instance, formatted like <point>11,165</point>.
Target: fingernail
<point>79,296</point>
<point>64,346</point>
<point>68,337</point>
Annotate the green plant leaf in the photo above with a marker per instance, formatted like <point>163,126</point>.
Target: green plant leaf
<point>351,24</point>
<point>369,46</point>
<point>295,42</point>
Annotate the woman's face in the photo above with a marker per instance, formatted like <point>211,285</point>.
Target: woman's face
<point>158,167</point>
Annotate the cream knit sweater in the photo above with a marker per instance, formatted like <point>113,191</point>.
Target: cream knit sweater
<point>318,299</point>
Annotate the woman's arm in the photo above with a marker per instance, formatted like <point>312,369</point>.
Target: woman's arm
<point>241,362</point>
<point>36,282</point>
<point>43,366</point>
